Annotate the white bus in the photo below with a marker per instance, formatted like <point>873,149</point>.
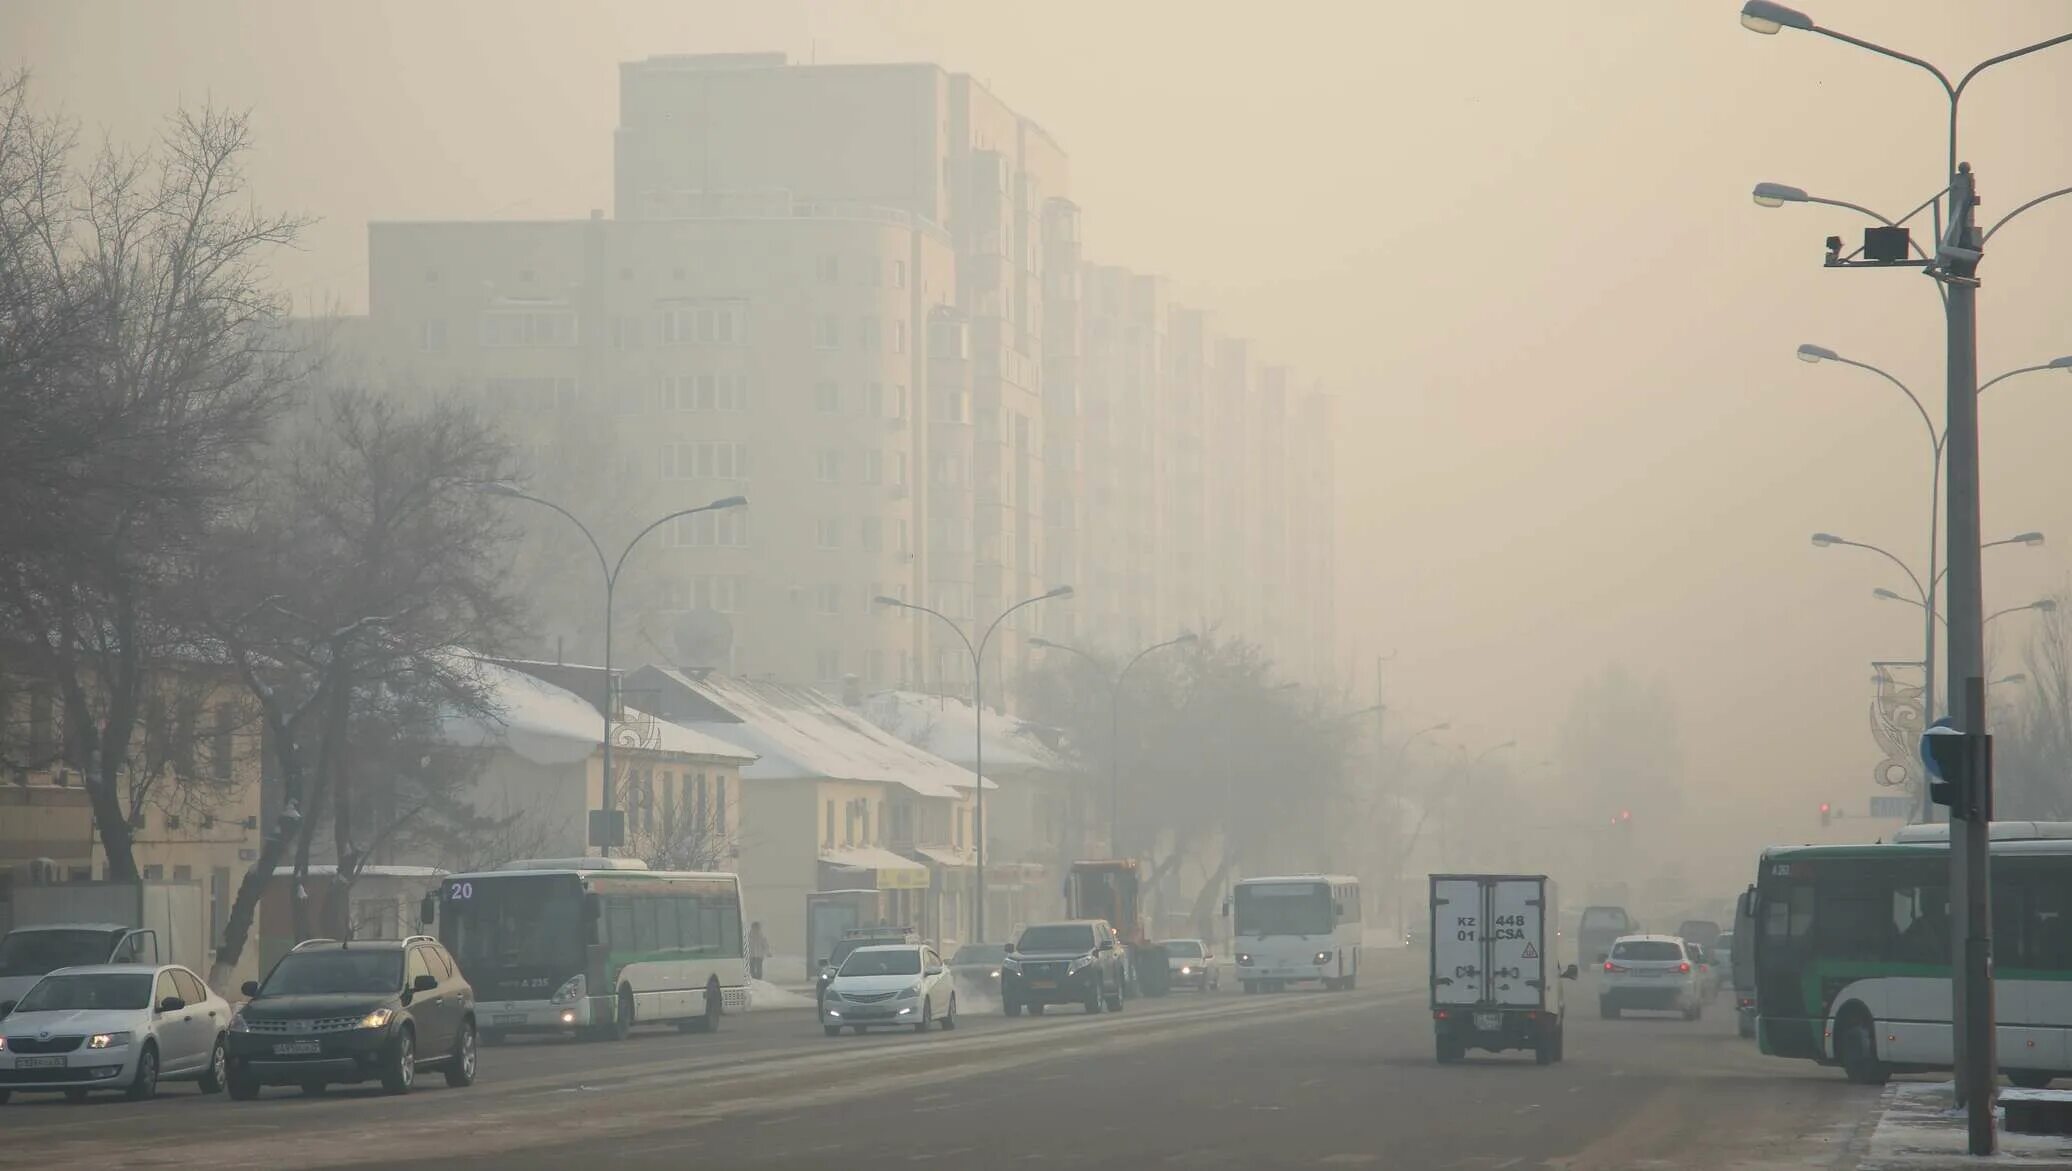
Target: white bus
<point>594,946</point>
<point>1296,927</point>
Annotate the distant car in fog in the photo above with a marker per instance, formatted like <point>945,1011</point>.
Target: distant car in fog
<point>1649,973</point>
<point>975,969</point>
<point>1189,964</point>
<point>1699,931</point>
<point>1709,976</point>
<point>1599,928</point>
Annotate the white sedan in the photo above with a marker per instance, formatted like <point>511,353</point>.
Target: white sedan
<point>1649,972</point>
<point>900,984</point>
<point>113,1027</point>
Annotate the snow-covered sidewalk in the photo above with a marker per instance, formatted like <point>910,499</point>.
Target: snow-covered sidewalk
<point>764,996</point>
<point>1920,1129</point>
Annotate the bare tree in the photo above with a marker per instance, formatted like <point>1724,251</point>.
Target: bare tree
<point>2033,750</point>
<point>140,352</point>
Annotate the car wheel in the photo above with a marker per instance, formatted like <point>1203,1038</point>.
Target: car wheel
<point>949,1020</point>
<point>1857,1050</point>
<point>144,1086</point>
<point>75,1096</point>
<point>927,1015</point>
<point>212,1078</point>
<point>709,1023</point>
<point>1448,1050</point>
<point>399,1071</point>
<point>831,1030</point>
<point>622,1018</point>
<point>1115,1003</point>
<point>460,1069</point>
<point>243,1086</point>
<point>1036,1009</point>
<point>856,1029</point>
<point>1093,999</point>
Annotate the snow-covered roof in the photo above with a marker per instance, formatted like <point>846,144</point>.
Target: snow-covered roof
<point>867,858</point>
<point>946,726</point>
<point>944,857</point>
<point>799,732</point>
<point>552,725</point>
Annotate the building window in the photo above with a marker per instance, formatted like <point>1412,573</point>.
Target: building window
<point>625,333</point>
<point>431,335</point>
<point>828,533</point>
<point>872,534</point>
<point>899,469</point>
<point>827,397</point>
<point>704,461</point>
<point>705,591</point>
<point>827,466</point>
<point>705,392</point>
<point>827,332</point>
<point>899,401</point>
<point>899,337</point>
<point>828,598</point>
<point>873,465</point>
<point>718,324</point>
<point>899,274</point>
<point>725,529</point>
<point>528,328</point>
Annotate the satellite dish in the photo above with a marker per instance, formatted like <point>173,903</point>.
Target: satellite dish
<point>703,638</point>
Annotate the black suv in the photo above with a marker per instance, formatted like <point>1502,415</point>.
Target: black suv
<point>354,1012</point>
<point>1076,962</point>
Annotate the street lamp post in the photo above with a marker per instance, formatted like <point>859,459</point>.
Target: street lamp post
<point>603,837</point>
<point>1114,724</point>
<point>1958,253</point>
<point>1401,854</point>
<point>978,725</point>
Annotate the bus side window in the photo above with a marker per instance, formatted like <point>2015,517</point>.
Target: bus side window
<point>2050,927</point>
<point>619,916</point>
<point>593,914</point>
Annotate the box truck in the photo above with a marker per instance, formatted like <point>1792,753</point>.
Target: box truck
<point>1496,965</point>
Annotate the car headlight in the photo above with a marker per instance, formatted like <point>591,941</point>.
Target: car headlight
<point>107,1040</point>
<point>908,993</point>
<point>995,973</point>
<point>1014,966</point>
<point>571,989</point>
<point>1244,960</point>
<point>237,1022</point>
<point>1186,970</point>
<point>378,1019</point>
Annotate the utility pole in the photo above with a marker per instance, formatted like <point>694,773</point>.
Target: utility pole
<point>1382,787</point>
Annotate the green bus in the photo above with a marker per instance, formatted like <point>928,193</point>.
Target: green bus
<point>595,946</point>
<point>1852,952</point>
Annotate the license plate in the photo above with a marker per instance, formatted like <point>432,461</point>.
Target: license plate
<point>508,1018</point>
<point>1043,983</point>
<point>1489,1022</point>
<point>298,1048</point>
<point>39,1063</point>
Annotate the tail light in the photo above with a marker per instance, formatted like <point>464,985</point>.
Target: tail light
<point>1612,967</point>
<point>1684,967</point>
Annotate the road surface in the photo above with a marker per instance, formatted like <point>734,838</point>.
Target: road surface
<point>1298,1079</point>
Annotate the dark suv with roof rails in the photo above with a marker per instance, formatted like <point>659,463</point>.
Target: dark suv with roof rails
<point>1078,961</point>
<point>356,1011</point>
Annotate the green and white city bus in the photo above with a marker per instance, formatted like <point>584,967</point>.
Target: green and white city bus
<point>595,945</point>
<point>1852,952</point>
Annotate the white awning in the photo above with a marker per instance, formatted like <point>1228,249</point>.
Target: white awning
<point>894,872</point>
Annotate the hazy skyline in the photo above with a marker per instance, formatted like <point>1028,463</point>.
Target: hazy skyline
<point>1515,241</point>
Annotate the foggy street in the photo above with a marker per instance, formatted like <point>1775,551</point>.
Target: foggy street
<point>1297,1079</point>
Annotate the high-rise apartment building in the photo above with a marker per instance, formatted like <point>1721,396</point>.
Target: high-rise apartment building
<point>856,295</point>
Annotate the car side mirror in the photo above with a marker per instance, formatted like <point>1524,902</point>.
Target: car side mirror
<point>425,983</point>
<point>1569,972</point>
<point>171,1004</point>
<point>250,988</point>
<point>1107,945</point>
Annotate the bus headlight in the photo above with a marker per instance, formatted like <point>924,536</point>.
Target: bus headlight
<point>571,989</point>
<point>1323,957</point>
<point>1244,960</point>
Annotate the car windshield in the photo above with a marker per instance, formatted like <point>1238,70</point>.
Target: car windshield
<point>1057,937</point>
<point>1184,948</point>
<point>316,973</point>
<point>96,990</point>
<point>1647,949</point>
<point>34,953</point>
<point>894,961</point>
<point>979,953</point>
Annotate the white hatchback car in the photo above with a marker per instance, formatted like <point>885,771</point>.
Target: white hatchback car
<point>900,984</point>
<point>113,1027</point>
<point>1649,972</point>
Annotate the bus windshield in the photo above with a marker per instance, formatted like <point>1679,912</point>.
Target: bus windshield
<point>526,922</point>
<point>1284,908</point>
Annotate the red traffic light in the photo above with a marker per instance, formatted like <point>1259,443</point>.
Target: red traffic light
<point>1625,815</point>
<point>1825,807</point>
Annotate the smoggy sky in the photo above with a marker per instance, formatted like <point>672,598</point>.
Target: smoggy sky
<point>1515,238</point>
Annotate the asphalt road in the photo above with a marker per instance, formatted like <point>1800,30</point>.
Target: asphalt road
<point>1299,1079</point>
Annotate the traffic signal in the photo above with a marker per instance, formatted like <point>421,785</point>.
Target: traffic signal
<point>1957,764</point>
<point>1826,812</point>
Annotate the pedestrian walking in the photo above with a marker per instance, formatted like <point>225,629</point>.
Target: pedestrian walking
<point>758,950</point>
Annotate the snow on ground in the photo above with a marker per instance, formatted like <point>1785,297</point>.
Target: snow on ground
<point>763,996</point>
<point>1919,1129</point>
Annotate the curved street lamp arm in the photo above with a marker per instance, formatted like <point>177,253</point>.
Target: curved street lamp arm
<point>1989,62</point>
<point>946,621</point>
<point>1843,203</point>
<point>2002,221</point>
<point>602,564</point>
<point>1903,568</point>
<point>1935,436</point>
<point>628,550</point>
<point>988,636</point>
<point>2011,374</point>
<point>1156,646</point>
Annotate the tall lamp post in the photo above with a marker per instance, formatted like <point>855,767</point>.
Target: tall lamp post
<point>978,724</point>
<point>1959,250</point>
<point>1114,723</point>
<point>603,837</point>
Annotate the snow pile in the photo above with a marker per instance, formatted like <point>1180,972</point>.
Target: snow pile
<point>764,996</point>
<point>1919,1127</point>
